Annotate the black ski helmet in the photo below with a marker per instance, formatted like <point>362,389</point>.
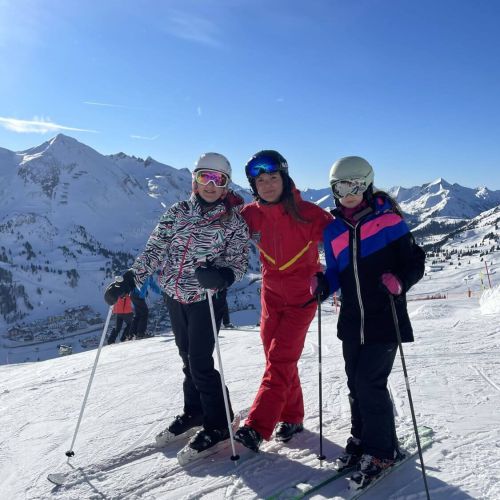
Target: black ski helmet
<point>266,161</point>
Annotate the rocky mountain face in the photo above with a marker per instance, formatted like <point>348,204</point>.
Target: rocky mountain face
<point>71,218</point>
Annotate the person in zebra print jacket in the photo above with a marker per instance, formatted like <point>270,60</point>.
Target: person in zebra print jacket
<point>199,244</point>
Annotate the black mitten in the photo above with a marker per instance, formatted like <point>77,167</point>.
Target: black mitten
<point>320,286</point>
<point>214,277</point>
<point>122,285</point>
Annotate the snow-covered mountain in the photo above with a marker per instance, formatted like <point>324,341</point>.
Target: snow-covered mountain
<point>438,208</point>
<point>442,199</point>
<point>70,218</point>
<point>432,210</point>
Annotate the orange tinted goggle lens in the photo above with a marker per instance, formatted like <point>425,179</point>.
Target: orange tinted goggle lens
<point>205,176</point>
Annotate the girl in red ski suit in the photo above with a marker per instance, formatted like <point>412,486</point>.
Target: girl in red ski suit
<point>286,230</point>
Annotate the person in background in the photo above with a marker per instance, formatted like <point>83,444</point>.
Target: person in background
<point>200,244</point>
<point>226,320</point>
<point>141,309</point>
<point>123,311</point>
<point>370,254</point>
<point>286,231</point>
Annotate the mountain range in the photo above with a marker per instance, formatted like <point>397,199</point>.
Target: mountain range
<point>71,218</point>
<point>432,210</point>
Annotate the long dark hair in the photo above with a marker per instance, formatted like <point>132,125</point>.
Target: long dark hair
<point>395,205</point>
<point>288,200</point>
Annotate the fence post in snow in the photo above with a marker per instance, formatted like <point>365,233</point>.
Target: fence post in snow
<point>487,273</point>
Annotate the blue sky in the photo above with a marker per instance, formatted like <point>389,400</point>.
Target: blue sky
<point>413,86</point>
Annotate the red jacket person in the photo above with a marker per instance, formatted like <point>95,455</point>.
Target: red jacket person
<point>286,230</point>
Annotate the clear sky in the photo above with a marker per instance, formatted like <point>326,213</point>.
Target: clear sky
<point>411,85</point>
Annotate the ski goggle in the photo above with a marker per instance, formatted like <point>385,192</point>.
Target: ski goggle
<point>204,177</point>
<point>258,166</point>
<point>344,188</point>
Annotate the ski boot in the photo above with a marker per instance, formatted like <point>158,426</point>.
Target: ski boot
<point>351,456</point>
<point>204,443</point>
<point>286,430</point>
<point>205,439</point>
<point>248,437</point>
<point>369,469</point>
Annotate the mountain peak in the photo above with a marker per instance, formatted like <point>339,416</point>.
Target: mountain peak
<point>439,181</point>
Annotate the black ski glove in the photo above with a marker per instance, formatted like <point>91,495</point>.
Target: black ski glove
<point>210,277</point>
<point>122,285</point>
<point>320,286</point>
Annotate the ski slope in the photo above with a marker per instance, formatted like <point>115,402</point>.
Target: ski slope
<point>453,367</point>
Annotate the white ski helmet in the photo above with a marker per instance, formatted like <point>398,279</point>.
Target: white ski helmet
<point>352,168</point>
<point>214,161</point>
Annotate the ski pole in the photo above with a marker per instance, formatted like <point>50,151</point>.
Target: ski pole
<point>400,345</point>
<point>320,456</point>
<point>234,456</point>
<point>70,453</point>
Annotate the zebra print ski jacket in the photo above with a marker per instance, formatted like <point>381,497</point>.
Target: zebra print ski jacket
<point>185,237</point>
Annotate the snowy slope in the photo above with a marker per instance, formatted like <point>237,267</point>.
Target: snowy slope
<point>453,372</point>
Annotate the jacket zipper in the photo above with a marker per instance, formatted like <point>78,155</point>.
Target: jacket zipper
<point>358,287</point>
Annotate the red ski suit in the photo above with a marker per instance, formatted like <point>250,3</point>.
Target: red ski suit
<point>289,256</point>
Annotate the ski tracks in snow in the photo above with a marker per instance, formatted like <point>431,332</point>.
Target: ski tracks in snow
<point>485,377</point>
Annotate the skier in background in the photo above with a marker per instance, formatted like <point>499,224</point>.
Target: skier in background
<point>370,253</point>
<point>123,311</point>
<point>141,309</point>
<point>200,244</point>
<point>226,320</point>
<point>286,231</point>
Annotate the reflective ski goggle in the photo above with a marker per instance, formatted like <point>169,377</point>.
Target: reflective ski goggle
<point>205,176</point>
<point>344,188</point>
<point>258,166</point>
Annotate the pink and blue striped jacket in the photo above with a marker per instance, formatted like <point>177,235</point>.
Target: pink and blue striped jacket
<point>356,256</point>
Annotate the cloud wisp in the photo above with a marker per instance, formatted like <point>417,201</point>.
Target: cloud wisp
<point>145,138</point>
<point>194,29</point>
<point>36,126</point>
<point>111,105</point>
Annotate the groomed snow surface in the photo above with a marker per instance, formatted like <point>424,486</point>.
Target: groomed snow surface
<point>453,368</point>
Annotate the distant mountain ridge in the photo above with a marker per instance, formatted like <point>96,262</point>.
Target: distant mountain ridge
<point>432,209</point>
<point>442,199</point>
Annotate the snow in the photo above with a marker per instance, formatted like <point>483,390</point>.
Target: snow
<point>453,370</point>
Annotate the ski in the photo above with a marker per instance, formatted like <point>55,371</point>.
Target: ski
<point>357,487</point>
<point>305,488</point>
<point>59,479</point>
<point>328,475</point>
<point>164,439</point>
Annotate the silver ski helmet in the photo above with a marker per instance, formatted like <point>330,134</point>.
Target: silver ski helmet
<point>215,162</point>
<point>352,168</point>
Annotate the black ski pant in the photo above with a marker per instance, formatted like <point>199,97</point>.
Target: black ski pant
<point>120,319</point>
<point>194,337</point>
<point>368,367</point>
<point>141,313</point>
